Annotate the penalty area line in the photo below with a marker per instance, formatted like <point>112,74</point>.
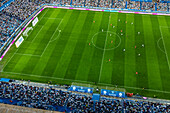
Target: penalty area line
<point>51,38</point>
<point>164,46</point>
<point>37,34</point>
<point>18,48</point>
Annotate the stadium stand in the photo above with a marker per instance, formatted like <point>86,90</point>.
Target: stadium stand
<point>67,101</point>
<point>2,2</point>
<point>61,100</point>
<point>6,108</point>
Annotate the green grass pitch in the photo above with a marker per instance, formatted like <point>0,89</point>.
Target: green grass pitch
<point>95,47</point>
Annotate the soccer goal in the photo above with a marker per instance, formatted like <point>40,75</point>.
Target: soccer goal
<point>25,33</point>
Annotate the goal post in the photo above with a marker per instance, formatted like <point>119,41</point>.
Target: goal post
<point>25,33</point>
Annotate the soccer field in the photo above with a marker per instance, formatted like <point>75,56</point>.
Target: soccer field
<point>131,51</point>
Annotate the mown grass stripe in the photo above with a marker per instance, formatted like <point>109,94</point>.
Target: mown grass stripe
<point>98,54</point>
<point>52,62</point>
<point>163,66</point>
<point>21,49</point>
<point>119,56</point>
<point>51,50</point>
<point>164,35</point>
<point>141,64</point>
<point>30,66</point>
<point>80,46</point>
<point>24,60</point>
<point>86,60</point>
<point>154,80</point>
<point>130,67</point>
<point>106,73</point>
<point>69,41</point>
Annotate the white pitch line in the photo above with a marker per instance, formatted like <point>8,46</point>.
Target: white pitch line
<point>28,54</point>
<point>159,46</point>
<point>10,59</point>
<point>17,49</point>
<point>135,88</point>
<point>86,82</point>
<point>52,18</point>
<point>104,50</point>
<point>51,38</point>
<point>37,34</point>
<point>39,21</point>
<point>47,77</point>
<point>41,27</point>
<point>165,48</point>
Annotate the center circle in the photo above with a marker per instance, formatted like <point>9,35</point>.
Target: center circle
<point>112,42</point>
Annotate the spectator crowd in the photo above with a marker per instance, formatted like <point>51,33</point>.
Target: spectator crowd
<point>2,2</point>
<point>13,15</point>
<point>58,100</point>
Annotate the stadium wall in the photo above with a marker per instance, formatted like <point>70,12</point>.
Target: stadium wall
<point>22,27</point>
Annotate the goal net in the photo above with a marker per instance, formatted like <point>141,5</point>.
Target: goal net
<point>25,33</point>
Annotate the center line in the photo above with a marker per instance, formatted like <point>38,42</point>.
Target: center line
<point>104,51</point>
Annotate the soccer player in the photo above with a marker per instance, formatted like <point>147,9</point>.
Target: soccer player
<point>124,50</point>
<point>138,33</point>
<point>143,45</point>
<point>102,30</point>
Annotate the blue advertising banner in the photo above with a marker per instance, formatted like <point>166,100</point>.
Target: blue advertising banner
<point>6,5</point>
<point>142,0</point>
<point>112,93</point>
<point>165,1</point>
<point>81,89</point>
